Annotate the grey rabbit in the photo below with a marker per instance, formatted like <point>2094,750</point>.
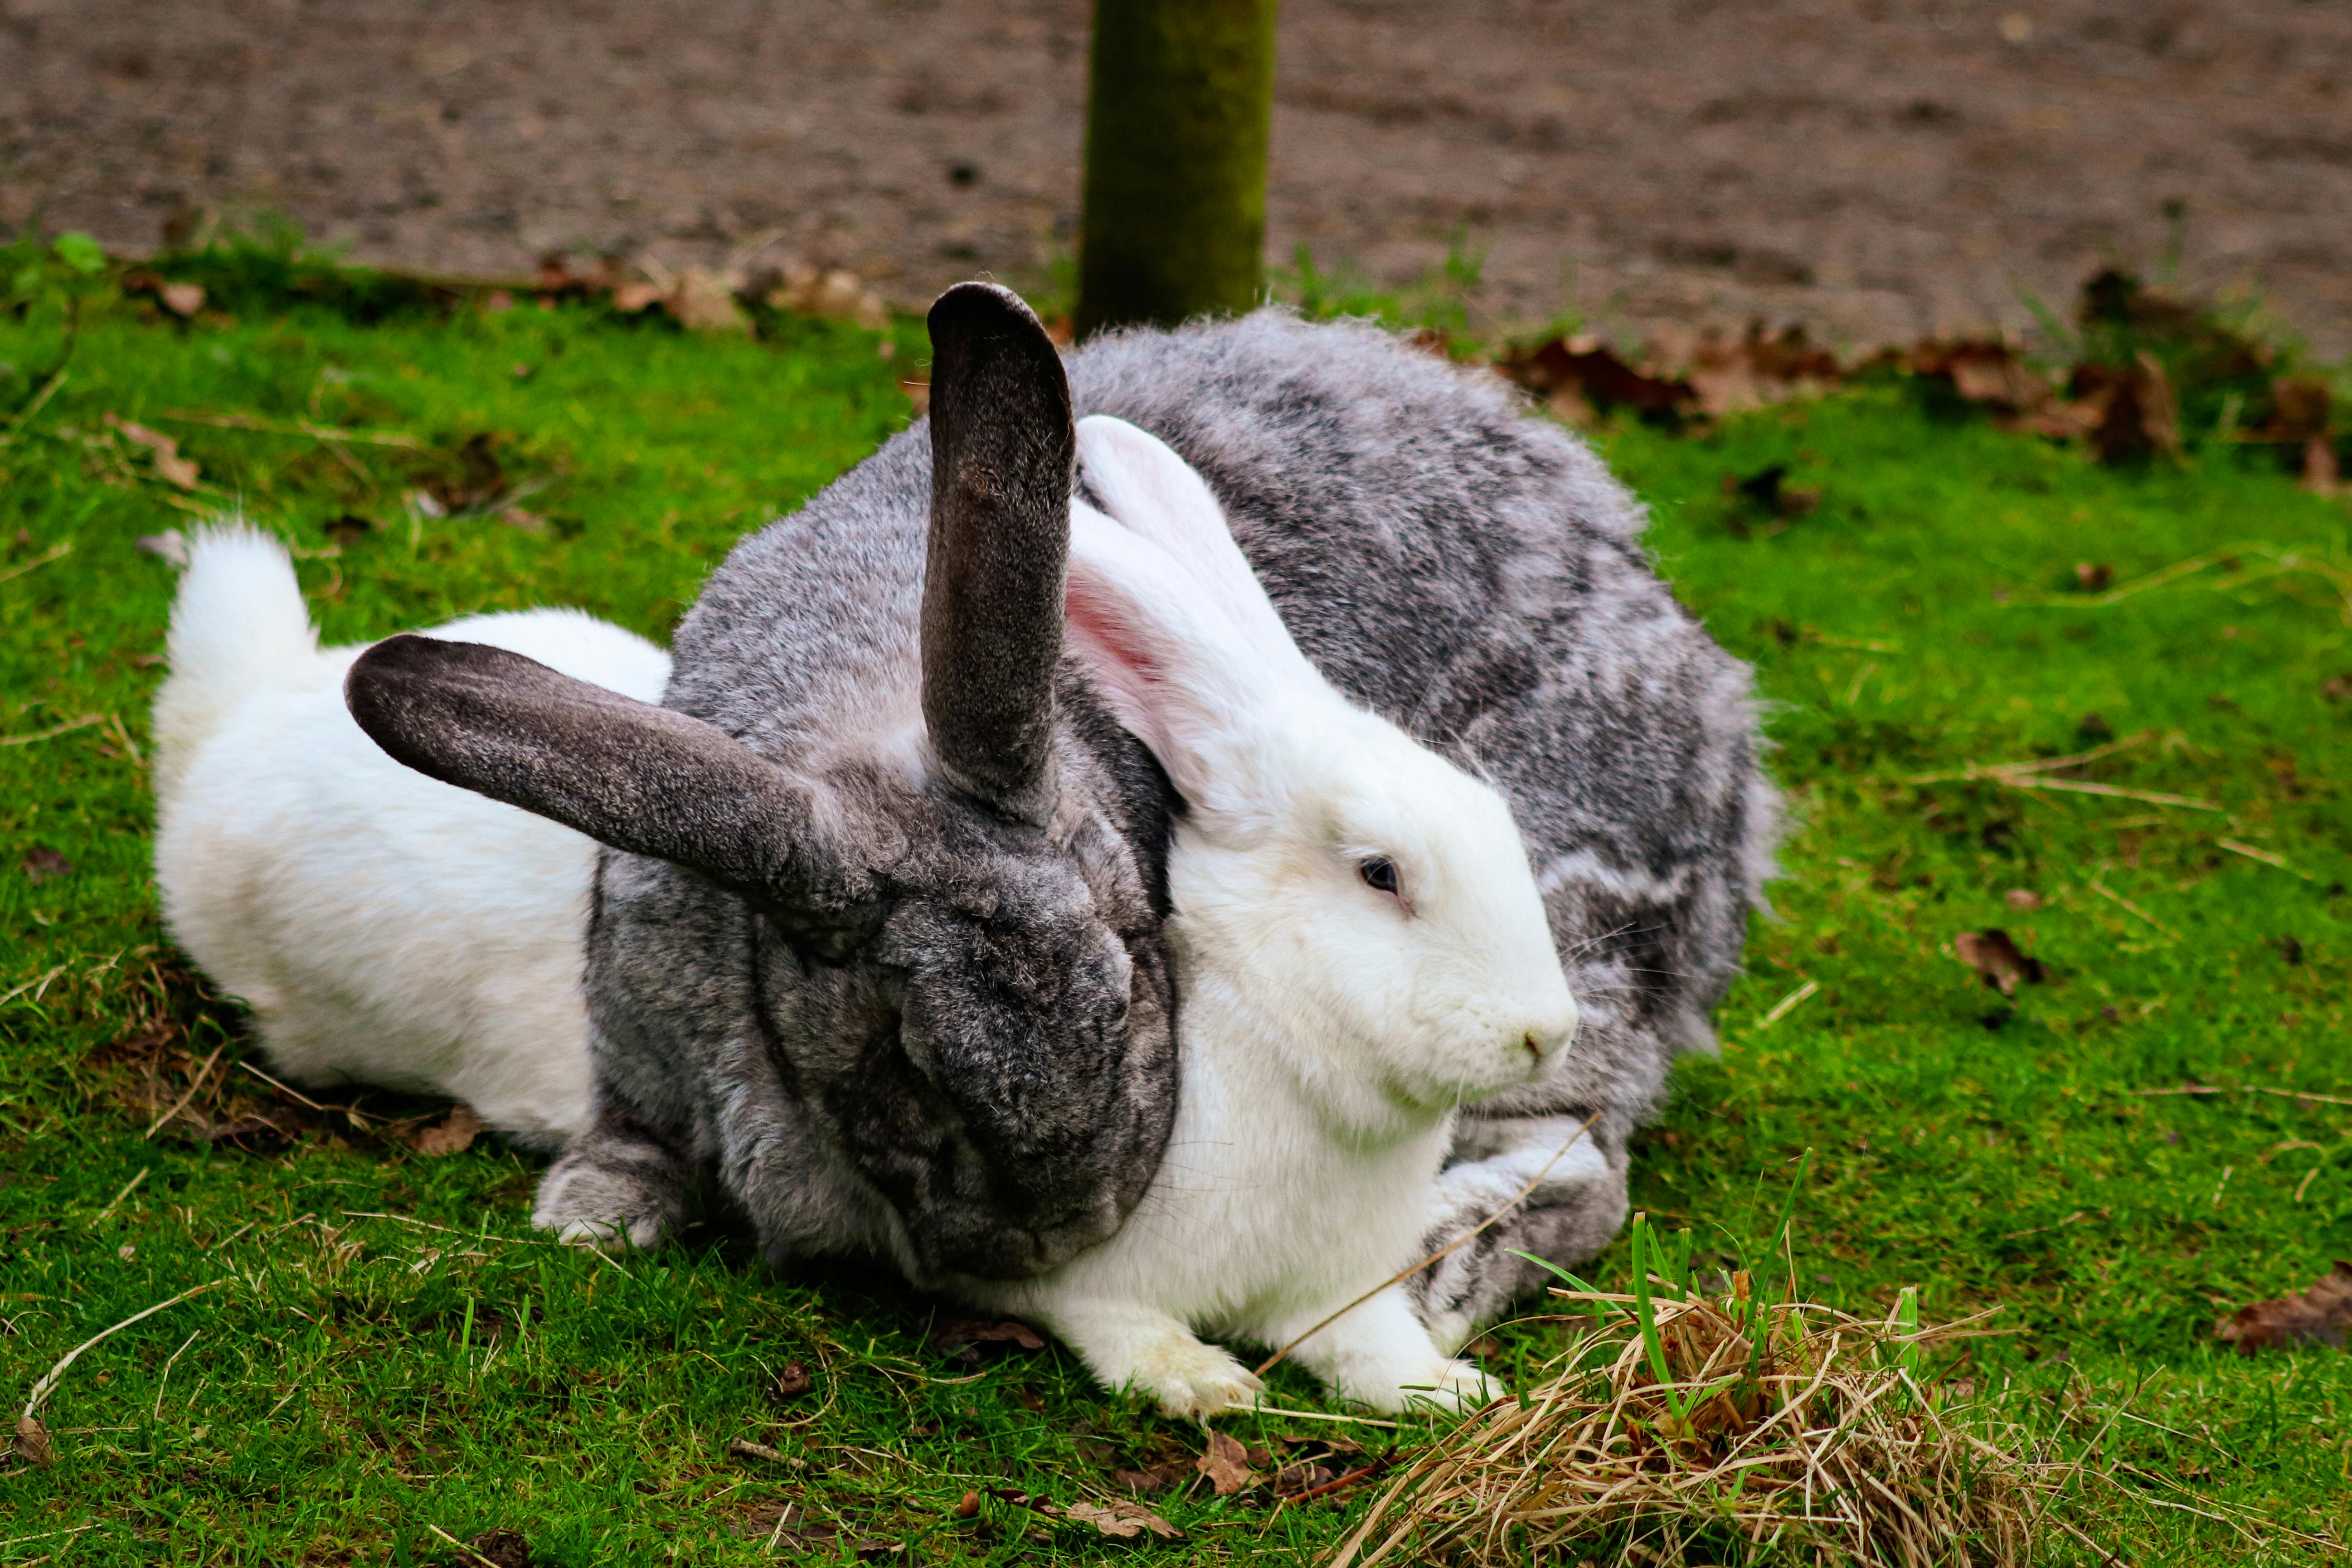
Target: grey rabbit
<point>875,947</point>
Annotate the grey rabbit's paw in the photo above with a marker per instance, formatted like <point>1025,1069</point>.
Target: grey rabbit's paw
<point>1558,1185</point>
<point>616,1188</point>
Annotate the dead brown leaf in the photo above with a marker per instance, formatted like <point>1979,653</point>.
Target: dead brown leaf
<point>572,275</point>
<point>1997,960</point>
<point>164,451</point>
<point>2137,417</point>
<point>1226,1464</point>
<point>41,863</point>
<point>506,1548</point>
<point>2319,1316</point>
<point>2299,406</point>
<point>1154,1478</point>
<point>1982,372</point>
<point>1576,374</point>
<point>968,1337</point>
<point>811,291</point>
<point>704,302</point>
<point>451,1136</point>
<point>1125,1521</point>
<point>1292,1479</point>
<point>1992,375</point>
<point>1764,366</point>
<point>33,1441</point>
<point>2321,474</point>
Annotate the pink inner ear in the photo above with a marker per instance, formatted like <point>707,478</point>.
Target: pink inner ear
<point>1110,644</point>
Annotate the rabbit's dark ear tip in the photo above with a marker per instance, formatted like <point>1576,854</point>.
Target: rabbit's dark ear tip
<point>971,308</point>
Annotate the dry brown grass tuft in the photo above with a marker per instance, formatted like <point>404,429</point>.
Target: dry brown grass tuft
<point>1711,1430</point>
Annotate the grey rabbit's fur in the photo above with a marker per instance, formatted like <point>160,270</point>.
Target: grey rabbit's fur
<point>877,946</point>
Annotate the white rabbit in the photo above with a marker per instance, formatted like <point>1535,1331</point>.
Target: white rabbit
<point>1359,948</point>
<point>383,927</point>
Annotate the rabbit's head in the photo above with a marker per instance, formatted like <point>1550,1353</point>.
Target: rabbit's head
<point>1364,898</point>
<point>958,914</point>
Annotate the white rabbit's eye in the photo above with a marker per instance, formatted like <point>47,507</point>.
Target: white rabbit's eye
<point>1378,874</point>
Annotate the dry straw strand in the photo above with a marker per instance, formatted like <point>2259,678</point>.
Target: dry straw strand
<point>1819,1439</point>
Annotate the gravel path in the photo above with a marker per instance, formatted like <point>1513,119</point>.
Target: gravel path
<point>1879,169</point>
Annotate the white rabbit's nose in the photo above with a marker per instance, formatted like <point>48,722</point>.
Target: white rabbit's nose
<point>1546,1041</point>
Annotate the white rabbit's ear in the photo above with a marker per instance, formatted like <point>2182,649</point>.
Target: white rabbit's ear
<point>1152,492</point>
<point>1172,667</point>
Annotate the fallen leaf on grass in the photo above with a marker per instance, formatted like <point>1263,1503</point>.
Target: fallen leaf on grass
<point>1153,1478</point>
<point>169,464</point>
<point>1992,375</point>
<point>967,1337</point>
<point>1292,1479</point>
<point>2299,406</point>
<point>33,1441</point>
<point>2322,475</point>
<point>1764,366</point>
<point>704,302</point>
<point>1124,1520</point>
<point>1982,372</point>
<point>1579,376</point>
<point>41,863</point>
<point>505,1548</point>
<point>1997,960</point>
<point>2138,417</point>
<point>2319,1316</point>
<point>450,1136</point>
<point>790,1382</point>
<point>809,291</point>
<point>1226,1464</point>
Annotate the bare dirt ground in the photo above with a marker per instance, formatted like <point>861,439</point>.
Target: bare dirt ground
<point>1878,169</point>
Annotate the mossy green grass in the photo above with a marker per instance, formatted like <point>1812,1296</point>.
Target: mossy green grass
<point>388,1357</point>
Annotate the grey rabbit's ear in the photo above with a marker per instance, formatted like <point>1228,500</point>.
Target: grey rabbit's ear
<point>640,778</point>
<point>1003,449</point>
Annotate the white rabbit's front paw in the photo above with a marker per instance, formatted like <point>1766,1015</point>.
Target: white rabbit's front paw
<point>1460,1386</point>
<point>1447,1386</point>
<point>1189,1378</point>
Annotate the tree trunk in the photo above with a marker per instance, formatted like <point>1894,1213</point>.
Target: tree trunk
<point>1178,118</point>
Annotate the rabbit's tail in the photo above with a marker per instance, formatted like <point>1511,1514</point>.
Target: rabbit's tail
<point>239,628</point>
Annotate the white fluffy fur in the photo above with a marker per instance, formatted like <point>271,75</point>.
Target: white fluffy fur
<point>383,927</point>
<point>1328,1030</point>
